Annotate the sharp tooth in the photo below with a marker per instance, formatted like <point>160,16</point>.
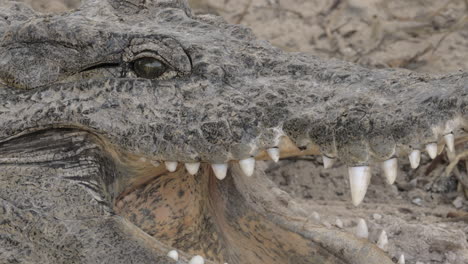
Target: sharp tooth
<point>415,158</point>
<point>450,141</point>
<point>192,168</point>
<point>382,242</point>
<point>197,260</point>
<point>316,216</point>
<point>359,179</point>
<point>274,154</point>
<point>361,229</point>
<point>390,168</point>
<point>327,162</point>
<point>432,150</point>
<point>401,260</point>
<point>220,170</point>
<point>173,255</point>
<point>247,166</point>
<point>339,223</point>
<point>171,165</point>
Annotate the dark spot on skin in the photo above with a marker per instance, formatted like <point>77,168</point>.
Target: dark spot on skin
<point>216,133</point>
<point>180,193</point>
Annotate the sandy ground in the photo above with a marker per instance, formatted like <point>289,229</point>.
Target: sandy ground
<point>422,35</point>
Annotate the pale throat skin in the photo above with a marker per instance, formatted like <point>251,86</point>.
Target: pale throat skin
<point>83,136</point>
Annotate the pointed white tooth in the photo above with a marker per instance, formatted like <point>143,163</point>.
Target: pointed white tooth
<point>274,154</point>
<point>327,162</point>
<point>316,216</point>
<point>220,170</point>
<point>192,168</point>
<point>415,158</point>
<point>390,168</point>
<point>173,255</point>
<point>339,223</point>
<point>197,260</point>
<point>359,179</point>
<point>382,242</point>
<point>361,229</point>
<point>247,166</point>
<point>450,141</point>
<point>432,150</point>
<point>401,260</point>
<point>171,165</point>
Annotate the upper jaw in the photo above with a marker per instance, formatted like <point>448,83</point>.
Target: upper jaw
<point>232,107</point>
<point>355,119</point>
<point>235,107</point>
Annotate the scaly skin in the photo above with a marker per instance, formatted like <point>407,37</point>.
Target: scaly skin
<point>80,134</point>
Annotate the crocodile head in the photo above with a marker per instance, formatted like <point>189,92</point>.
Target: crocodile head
<point>187,104</point>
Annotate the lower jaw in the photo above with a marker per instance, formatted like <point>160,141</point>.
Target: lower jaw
<point>238,220</point>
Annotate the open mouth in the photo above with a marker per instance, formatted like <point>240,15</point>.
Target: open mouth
<point>230,212</point>
<point>235,213</point>
<point>226,213</point>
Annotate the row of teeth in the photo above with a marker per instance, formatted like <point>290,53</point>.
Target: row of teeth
<point>361,231</point>
<point>359,181</point>
<point>173,254</point>
<point>359,176</point>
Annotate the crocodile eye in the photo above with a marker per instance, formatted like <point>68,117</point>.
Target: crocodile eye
<point>149,68</point>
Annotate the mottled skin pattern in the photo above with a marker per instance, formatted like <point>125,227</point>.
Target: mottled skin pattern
<point>80,134</point>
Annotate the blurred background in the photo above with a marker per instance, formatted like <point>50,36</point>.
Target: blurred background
<point>421,35</point>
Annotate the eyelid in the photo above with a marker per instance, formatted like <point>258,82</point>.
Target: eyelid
<point>146,54</point>
<point>167,50</point>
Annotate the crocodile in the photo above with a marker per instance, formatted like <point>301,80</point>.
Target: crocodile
<point>130,128</point>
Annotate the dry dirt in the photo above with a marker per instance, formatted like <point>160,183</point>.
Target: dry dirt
<point>422,35</point>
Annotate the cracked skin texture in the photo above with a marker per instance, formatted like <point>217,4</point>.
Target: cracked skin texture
<point>80,132</point>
